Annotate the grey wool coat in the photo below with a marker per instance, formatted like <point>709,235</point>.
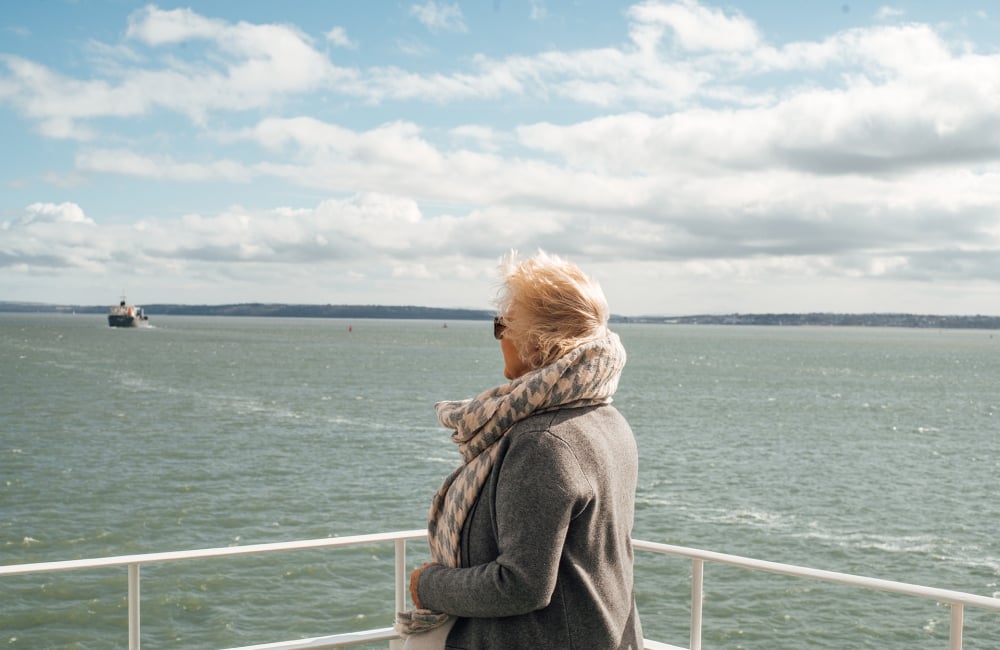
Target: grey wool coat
<point>546,550</point>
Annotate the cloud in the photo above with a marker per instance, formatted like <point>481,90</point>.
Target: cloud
<point>694,27</point>
<point>338,36</point>
<point>647,188</point>
<point>52,237</point>
<point>441,17</point>
<point>886,12</point>
<point>359,227</point>
<point>483,138</point>
<point>251,66</point>
<point>130,163</point>
<point>68,213</point>
<point>157,27</point>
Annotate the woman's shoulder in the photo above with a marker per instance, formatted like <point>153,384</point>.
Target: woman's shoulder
<point>565,422</point>
<point>573,415</point>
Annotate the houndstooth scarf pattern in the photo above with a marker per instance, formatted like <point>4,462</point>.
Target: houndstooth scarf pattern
<point>587,375</point>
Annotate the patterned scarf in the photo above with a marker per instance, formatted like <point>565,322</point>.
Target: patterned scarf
<point>587,375</point>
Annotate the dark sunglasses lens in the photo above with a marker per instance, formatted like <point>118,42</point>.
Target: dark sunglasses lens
<point>498,327</point>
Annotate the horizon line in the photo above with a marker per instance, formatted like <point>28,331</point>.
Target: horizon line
<point>473,310</point>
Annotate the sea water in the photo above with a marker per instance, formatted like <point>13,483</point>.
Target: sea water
<point>867,451</point>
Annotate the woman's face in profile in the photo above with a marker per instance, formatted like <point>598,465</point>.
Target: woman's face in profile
<point>513,366</point>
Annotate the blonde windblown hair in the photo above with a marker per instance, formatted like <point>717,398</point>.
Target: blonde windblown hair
<point>550,306</point>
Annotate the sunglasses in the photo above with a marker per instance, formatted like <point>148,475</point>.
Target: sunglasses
<point>499,325</point>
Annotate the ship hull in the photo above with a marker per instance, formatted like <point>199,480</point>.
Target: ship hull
<point>116,320</point>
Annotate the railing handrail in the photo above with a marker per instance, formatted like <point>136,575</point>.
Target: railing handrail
<point>956,599</point>
<point>223,551</point>
<point>876,584</point>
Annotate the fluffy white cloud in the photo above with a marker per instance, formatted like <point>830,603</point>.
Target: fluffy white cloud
<point>338,36</point>
<point>683,149</point>
<point>252,66</point>
<point>130,163</point>
<point>55,213</point>
<point>694,27</point>
<point>53,237</point>
<point>439,16</point>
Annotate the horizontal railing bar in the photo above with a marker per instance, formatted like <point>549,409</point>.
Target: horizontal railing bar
<point>226,551</point>
<point>381,634</point>
<point>942,595</point>
<point>331,641</point>
<point>934,593</point>
<point>656,645</point>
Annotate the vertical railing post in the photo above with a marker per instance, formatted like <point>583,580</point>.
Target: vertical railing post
<point>697,589</point>
<point>133,606</point>
<point>957,622</point>
<point>401,586</point>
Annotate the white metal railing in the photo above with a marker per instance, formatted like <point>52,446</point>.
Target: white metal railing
<point>957,600</point>
<point>134,562</point>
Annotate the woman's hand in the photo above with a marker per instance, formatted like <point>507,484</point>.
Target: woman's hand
<point>414,582</point>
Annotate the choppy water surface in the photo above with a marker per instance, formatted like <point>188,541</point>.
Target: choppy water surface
<point>870,451</point>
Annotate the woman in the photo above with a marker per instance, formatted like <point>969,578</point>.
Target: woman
<point>531,537</point>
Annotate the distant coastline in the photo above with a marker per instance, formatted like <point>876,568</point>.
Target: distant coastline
<point>817,319</point>
<point>833,320</point>
<point>267,309</point>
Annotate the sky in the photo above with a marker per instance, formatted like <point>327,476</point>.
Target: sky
<point>693,156</point>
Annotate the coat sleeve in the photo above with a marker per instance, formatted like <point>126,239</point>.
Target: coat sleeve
<point>540,489</point>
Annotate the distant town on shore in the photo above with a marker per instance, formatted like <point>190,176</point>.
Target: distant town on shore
<point>438,313</point>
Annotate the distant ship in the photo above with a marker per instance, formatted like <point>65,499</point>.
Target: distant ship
<point>125,315</point>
